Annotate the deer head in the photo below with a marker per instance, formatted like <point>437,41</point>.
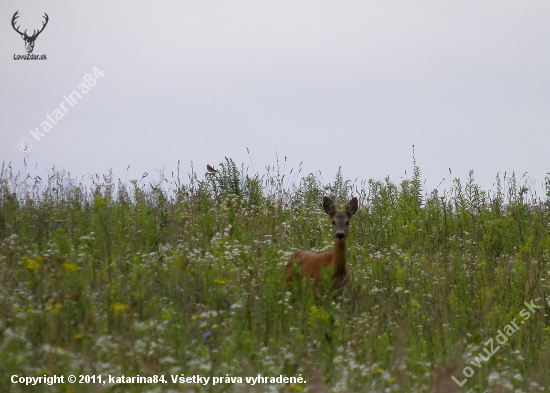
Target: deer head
<point>29,40</point>
<point>340,220</point>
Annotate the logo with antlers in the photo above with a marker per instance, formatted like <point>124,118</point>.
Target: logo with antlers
<point>29,40</point>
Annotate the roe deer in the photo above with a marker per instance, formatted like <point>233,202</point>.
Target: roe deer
<point>310,263</point>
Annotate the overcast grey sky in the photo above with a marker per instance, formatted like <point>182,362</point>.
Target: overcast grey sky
<point>350,84</point>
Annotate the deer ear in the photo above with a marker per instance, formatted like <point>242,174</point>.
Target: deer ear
<point>351,207</point>
<point>328,206</point>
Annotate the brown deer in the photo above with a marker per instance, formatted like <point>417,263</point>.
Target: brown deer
<point>310,263</point>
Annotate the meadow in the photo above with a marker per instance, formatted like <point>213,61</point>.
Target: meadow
<point>183,275</point>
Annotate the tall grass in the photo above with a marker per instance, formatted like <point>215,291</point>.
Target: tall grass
<point>185,276</point>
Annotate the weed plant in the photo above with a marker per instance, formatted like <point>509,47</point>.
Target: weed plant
<point>173,276</point>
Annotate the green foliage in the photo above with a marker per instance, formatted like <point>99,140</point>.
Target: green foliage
<point>171,277</point>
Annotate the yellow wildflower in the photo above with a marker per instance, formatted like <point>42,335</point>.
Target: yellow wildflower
<point>117,308</point>
<point>55,309</point>
<point>70,267</point>
<point>31,264</point>
<point>99,201</point>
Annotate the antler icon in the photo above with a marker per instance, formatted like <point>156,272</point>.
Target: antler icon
<point>29,41</point>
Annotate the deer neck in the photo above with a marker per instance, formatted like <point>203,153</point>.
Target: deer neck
<point>339,258</point>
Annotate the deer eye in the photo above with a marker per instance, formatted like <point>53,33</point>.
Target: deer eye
<point>347,223</point>
<point>333,222</point>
